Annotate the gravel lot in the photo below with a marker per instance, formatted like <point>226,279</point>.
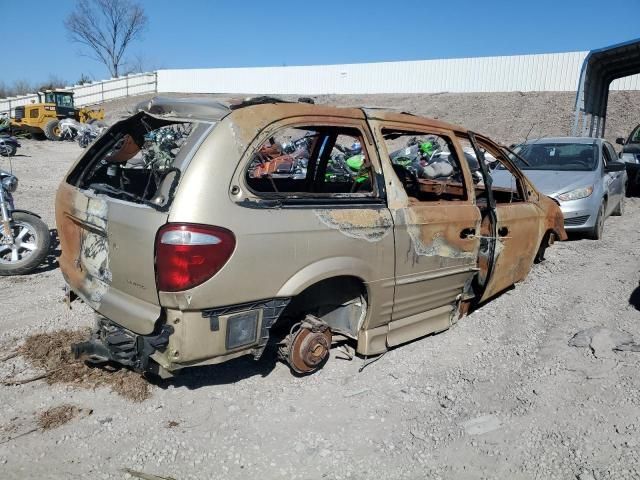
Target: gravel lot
<point>500,395</point>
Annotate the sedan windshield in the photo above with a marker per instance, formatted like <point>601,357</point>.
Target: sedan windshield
<point>558,156</point>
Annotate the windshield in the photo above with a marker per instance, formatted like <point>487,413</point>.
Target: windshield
<point>580,157</point>
<point>64,100</point>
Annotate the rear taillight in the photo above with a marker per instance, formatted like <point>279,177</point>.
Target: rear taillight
<point>188,255</point>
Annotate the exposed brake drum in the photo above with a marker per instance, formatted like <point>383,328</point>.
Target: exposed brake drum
<point>306,348</point>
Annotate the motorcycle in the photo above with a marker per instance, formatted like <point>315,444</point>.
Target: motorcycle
<point>88,132</point>
<point>83,133</point>
<point>8,146</point>
<point>24,237</point>
<point>5,122</point>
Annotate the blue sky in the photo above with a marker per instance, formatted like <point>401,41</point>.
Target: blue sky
<point>201,33</point>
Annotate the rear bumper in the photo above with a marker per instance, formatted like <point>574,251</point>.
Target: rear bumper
<point>188,339</point>
<point>112,343</point>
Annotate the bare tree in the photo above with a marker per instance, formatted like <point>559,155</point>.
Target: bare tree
<point>106,28</point>
<point>53,83</point>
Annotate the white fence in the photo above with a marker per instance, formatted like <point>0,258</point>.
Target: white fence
<point>95,92</point>
<point>547,72</point>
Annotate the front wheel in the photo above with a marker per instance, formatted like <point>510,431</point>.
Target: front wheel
<point>598,228</point>
<point>52,131</point>
<point>27,249</point>
<point>7,149</point>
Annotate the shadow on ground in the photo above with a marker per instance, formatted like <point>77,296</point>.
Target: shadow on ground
<point>634,299</point>
<point>222,374</point>
<point>51,260</point>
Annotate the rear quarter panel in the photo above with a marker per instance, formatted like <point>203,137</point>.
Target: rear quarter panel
<point>279,251</point>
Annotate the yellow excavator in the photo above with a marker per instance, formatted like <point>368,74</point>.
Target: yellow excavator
<point>43,117</point>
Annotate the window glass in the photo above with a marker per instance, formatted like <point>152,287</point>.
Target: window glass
<point>311,160</point>
<point>580,157</point>
<point>606,158</point>
<point>426,165</point>
<point>64,100</point>
<point>635,136</point>
<point>613,155</point>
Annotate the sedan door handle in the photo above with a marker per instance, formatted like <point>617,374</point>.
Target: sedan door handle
<point>468,232</point>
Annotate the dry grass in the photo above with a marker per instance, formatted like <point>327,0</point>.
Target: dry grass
<point>52,353</point>
<point>57,416</point>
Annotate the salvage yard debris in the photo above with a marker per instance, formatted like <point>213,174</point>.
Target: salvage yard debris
<point>512,348</point>
<point>50,352</point>
<point>145,476</point>
<point>46,420</point>
<point>57,416</point>
<point>407,234</point>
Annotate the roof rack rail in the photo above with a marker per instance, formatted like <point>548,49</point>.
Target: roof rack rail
<point>260,100</point>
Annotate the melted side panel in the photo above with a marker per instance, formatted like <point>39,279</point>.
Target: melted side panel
<point>82,224</point>
<point>520,229</point>
<point>434,259</point>
<point>554,219</point>
<point>367,224</point>
<point>104,262</point>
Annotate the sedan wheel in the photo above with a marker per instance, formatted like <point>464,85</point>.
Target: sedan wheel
<point>598,228</point>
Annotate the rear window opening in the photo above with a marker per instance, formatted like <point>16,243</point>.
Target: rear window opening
<point>137,160</point>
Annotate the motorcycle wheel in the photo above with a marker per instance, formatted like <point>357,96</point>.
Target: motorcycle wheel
<point>8,150</point>
<point>29,248</point>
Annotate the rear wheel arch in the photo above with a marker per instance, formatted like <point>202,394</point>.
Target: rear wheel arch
<point>340,301</point>
<point>325,269</point>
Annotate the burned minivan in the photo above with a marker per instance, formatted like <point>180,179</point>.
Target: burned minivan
<point>201,232</point>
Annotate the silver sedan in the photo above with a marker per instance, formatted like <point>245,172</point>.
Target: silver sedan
<point>582,174</point>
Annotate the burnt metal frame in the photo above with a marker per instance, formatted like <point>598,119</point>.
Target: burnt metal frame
<point>600,68</point>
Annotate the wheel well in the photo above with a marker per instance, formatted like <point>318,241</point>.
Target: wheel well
<point>544,243</point>
<point>340,301</point>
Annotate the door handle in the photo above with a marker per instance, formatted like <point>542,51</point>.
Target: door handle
<point>468,232</point>
<point>503,231</point>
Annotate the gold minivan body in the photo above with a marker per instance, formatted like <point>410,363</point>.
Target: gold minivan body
<point>380,269</point>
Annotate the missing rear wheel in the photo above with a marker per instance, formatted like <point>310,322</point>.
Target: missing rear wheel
<point>306,348</point>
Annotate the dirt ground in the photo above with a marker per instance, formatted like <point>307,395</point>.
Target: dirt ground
<point>503,394</point>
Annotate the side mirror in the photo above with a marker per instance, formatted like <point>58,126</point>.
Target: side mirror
<point>615,167</point>
<point>620,141</point>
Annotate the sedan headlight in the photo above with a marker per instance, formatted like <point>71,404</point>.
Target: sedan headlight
<point>576,194</point>
<point>629,158</point>
<point>10,183</point>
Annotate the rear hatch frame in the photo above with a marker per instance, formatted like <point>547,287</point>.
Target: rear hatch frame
<point>108,236</point>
